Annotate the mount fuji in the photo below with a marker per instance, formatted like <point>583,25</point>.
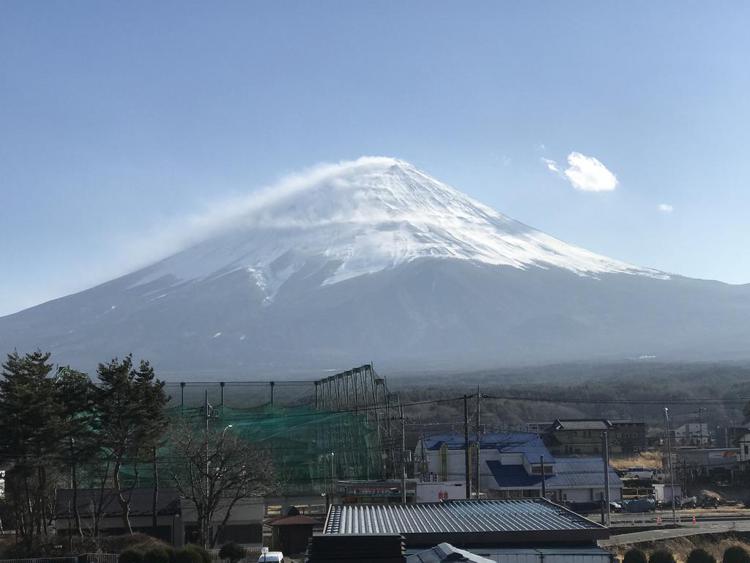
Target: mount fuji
<point>374,259</point>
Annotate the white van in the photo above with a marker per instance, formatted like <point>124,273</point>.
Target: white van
<point>271,556</point>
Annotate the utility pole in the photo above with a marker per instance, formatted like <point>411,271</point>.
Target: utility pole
<point>669,462</point>
<point>467,457</point>
<point>605,448</point>
<point>206,524</point>
<point>544,477</point>
<point>403,455</point>
<point>479,443</point>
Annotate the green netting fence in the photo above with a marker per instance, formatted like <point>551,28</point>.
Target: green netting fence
<point>310,448</point>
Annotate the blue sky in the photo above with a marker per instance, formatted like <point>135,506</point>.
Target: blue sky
<point>119,117</point>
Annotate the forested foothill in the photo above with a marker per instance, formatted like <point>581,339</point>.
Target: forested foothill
<point>624,390</point>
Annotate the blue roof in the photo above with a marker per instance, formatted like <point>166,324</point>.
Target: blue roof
<point>587,472</point>
<point>527,443</point>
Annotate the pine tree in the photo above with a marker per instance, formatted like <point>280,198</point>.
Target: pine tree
<point>30,438</point>
<point>130,418</point>
<point>76,395</point>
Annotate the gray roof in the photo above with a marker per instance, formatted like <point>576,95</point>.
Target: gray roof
<point>581,424</point>
<point>517,519</point>
<point>446,552</point>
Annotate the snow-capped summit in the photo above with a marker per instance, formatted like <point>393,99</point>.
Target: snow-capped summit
<point>375,260</point>
<point>365,216</point>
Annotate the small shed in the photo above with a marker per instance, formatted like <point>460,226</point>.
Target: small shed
<point>291,534</point>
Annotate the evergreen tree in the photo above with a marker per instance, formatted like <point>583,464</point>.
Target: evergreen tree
<point>76,395</point>
<point>30,439</point>
<point>130,419</point>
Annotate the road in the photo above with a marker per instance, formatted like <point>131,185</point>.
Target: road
<point>684,530</point>
<point>684,517</point>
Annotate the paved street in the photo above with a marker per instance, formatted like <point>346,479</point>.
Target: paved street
<point>717,527</point>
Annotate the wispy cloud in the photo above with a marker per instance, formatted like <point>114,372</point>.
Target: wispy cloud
<point>665,208</point>
<point>551,165</point>
<point>585,173</point>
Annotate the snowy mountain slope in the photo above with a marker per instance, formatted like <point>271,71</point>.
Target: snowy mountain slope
<point>369,215</point>
<point>374,260</point>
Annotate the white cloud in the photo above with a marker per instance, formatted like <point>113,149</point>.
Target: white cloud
<point>584,173</point>
<point>665,208</point>
<point>588,174</point>
<point>551,165</point>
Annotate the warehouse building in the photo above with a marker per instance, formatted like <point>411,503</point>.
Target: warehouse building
<point>511,467</point>
<point>498,530</point>
<point>176,517</point>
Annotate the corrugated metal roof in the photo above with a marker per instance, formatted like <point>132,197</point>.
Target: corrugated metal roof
<point>460,516</point>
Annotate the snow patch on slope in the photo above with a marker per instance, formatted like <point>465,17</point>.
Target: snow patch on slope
<point>365,216</point>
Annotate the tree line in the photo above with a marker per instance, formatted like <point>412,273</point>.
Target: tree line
<point>59,428</point>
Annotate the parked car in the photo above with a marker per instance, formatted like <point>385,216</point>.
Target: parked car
<point>639,505</point>
<point>271,557</point>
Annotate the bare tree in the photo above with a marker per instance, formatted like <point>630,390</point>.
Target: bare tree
<point>216,469</point>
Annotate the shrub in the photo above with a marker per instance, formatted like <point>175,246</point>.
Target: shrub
<point>233,551</point>
<point>661,556</point>
<point>156,555</point>
<point>187,555</point>
<point>736,554</point>
<point>204,556</point>
<point>699,555</point>
<point>130,556</point>
<point>634,556</point>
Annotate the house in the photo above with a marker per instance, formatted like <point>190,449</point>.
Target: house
<point>176,517</point>
<point>291,534</point>
<point>584,436</point>
<point>744,446</point>
<point>730,436</point>
<point>517,465</point>
<point>576,437</point>
<point>692,434</point>
<point>707,461</point>
<point>572,481</point>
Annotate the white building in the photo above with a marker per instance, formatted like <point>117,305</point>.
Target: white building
<point>515,465</point>
<point>744,444</point>
<point>692,434</point>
